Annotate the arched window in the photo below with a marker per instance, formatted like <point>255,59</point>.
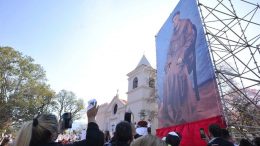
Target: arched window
<point>135,83</point>
<point>115,109</point>
<point>151,82</point>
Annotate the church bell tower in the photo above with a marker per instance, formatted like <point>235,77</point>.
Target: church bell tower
<point>141,93</point>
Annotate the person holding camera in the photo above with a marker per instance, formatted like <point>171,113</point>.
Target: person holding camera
<point>43,131</point>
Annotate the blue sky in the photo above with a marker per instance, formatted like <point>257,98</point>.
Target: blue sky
<point>85,46</point>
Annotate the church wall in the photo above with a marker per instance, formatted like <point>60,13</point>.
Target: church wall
<point>106,119</point>
<point>137,100</point>
<point>136,108</point>
<point>112,119</point>
<point>139,94</point>
<point>141,75</point>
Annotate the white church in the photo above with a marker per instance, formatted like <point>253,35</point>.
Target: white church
<point>141,100</point>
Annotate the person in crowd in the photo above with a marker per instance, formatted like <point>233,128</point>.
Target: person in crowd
<point>215,134</point>
<point>123,134</point>
<point>107,136</point>
<point>245,142</point>
<point>148,140</point>
<point>173,139</point>
<point>256,141</point>
<point>225,135</point>
<point>43,131</point>
<point>141,129</point>
<point>112,140</point>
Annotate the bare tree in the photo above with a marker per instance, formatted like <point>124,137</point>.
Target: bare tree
<point>66,101</point>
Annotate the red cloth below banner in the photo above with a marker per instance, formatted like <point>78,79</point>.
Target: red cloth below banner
<point>190,131</point>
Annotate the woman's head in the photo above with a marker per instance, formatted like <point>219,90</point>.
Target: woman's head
<point>148,140</point>
<point>41,130</point>
<point>123,132</point>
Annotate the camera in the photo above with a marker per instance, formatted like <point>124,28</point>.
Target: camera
<point>66,121</point>
<point>202,134</point>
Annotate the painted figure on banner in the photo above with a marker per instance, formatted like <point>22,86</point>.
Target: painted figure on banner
<point>180,94</point>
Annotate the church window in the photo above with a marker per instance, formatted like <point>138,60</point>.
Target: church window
<point>151,82</point>
<point>135,83</point>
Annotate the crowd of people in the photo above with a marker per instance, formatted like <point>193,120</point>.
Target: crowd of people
<point>43,131</point>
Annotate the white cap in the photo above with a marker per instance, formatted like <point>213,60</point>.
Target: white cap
<point>173,134</point>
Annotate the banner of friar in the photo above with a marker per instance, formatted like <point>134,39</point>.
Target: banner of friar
<point>186,81</point>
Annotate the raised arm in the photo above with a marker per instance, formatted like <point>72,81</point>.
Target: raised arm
<point>94,136</point>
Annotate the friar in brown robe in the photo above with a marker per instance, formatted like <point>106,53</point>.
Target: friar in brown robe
<point>179,96</point>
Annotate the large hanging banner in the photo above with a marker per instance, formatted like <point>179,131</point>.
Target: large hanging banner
<point>186,82</point>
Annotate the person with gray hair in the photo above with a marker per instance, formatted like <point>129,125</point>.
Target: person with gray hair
<point>148,140</point>
<point>43,131</point>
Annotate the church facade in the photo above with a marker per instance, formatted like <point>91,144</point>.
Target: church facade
<point>141,100</point>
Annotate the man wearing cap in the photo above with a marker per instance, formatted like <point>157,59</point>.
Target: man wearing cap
<point>141,129</point>
<point>173,138</point>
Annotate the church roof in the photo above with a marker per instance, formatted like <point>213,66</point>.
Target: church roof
<point>123,101</point>
<point>143,61</point>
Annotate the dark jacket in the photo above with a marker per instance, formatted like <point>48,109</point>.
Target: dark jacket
<point>120,143</point>
<point>220,142</point>
<point>94,137</point>
<point>114,142</point>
